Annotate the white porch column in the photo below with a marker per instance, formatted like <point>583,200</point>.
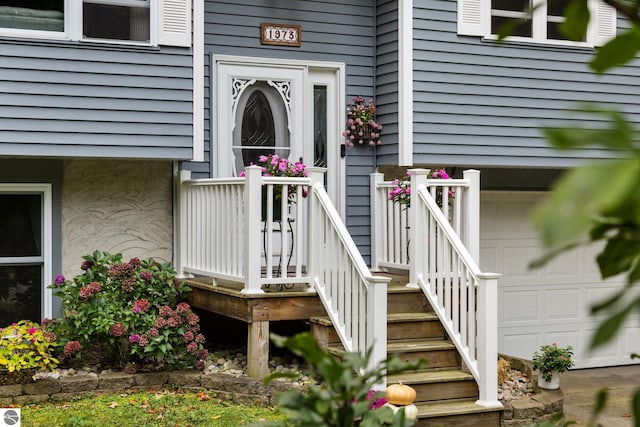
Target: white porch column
<point>314,228</point>
<point>487,347</point>
<point>417,233</point>
<point>377,323</point>
<point>471,235</point>
<point>252,235</point>
<point>180,239</point>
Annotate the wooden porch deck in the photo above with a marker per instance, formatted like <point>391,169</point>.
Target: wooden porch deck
<point>225,298</point>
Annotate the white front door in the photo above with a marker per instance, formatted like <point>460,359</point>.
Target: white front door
<point>290,108</point>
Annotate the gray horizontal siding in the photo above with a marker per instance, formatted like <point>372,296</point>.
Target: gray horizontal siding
<point>74,99</point>
<point>480,104</point>
<point>387,79</point>
<point>332,30</point>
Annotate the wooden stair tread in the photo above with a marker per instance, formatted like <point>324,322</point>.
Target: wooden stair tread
<point>391,318</point>
<point>430,377</point>
<point>411,317</point>
<point>444,408</point>
<point>400,346</point>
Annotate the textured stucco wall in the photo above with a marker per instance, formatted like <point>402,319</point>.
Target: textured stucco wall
<point>116,206</point>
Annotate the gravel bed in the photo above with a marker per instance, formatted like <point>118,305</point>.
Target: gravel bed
<point>516,386</point>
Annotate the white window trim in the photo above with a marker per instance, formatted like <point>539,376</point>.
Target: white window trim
<point>45,191</point>
<point>474,19</point>
<point>170,23</point>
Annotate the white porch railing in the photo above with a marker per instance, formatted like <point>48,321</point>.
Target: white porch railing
<point>464,298</point>
<point>390,230</point>
<point>222,235</point>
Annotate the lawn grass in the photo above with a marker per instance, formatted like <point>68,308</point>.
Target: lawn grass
<point>153,408</point>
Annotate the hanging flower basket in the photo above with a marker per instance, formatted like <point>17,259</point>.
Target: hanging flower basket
<point>361,128</point>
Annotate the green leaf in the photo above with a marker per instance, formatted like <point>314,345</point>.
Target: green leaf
<point>620,50</point>
<point>636,407</point>
<point>601,401</point>
<point>619,255</point>
<point>576,20</point>
<point>580,197</point>
<point>609,327</point>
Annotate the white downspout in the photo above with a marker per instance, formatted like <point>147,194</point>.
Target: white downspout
<point>198,80</point>
<point>405,83</point>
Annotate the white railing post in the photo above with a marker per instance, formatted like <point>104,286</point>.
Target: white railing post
<point>377,324</point>
<point>314,228</point>
<point>487,350</point>
<point>471,235</point>
<point>416,226</point>
<point>376,218</point>
<point>252,209</point>
<point>181,239</point>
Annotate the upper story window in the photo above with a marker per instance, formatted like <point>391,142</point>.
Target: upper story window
<point>117,20</point>
<point>537,20</point>
<point>32,15</point>
<point>110,21</point>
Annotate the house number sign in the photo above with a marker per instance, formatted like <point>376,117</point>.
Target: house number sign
<point>279,34</point>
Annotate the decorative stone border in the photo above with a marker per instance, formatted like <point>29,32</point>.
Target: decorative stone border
<point>226,387</point>
<point>517,413</point>
<point>540,407</point>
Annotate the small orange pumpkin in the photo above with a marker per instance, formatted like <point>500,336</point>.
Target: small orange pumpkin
<point>400,394</point>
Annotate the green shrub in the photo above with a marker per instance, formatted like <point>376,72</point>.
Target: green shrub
<point>127,314</point>
<point>343,394</point>
<point>25,345</point>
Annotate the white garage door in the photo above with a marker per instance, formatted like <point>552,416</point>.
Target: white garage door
<point>550,304</point>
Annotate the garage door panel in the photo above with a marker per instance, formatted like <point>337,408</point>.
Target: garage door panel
<point>520,306</point>
<point>519,343</point>
<point>562,304</point>
<point>566,264</point>
<point>631,340</point>
<point>550,304</point>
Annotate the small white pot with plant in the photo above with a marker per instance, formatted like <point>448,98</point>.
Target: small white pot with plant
<point>550,362</point>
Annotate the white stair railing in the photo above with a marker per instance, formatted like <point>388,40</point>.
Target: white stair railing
<point>464,298</point>
<point>355,300</point>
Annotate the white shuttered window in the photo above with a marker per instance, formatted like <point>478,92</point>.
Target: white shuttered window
<point>146,22</point>
<point>539,20</point>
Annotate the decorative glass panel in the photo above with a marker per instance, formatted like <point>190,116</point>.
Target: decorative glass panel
<point>258,130</point>
<point>20,225</point>
<point>20,293</point>
<point>320,126</point>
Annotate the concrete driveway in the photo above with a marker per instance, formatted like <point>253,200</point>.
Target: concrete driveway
<point>580,388</point>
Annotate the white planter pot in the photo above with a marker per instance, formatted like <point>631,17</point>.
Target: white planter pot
<point>554,384</point>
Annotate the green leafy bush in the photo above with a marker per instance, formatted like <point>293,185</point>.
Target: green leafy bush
<point>343,393</point>
<point>127,314</point>
<point>25,345</point>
